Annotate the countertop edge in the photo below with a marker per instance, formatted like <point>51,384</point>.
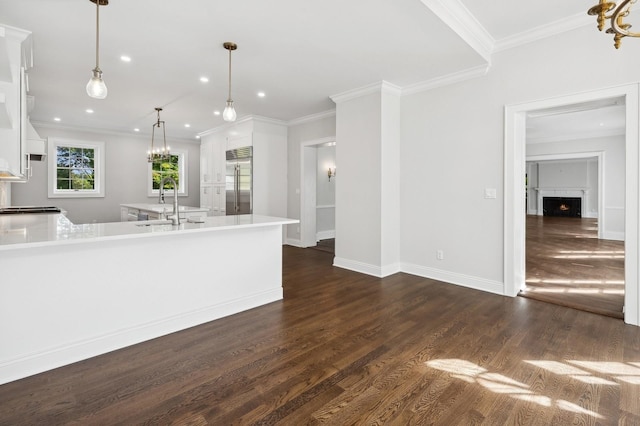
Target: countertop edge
<point>139,231</point>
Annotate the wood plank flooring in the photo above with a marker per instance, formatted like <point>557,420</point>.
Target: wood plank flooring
<point>344,348</point>
<point>568,265</point>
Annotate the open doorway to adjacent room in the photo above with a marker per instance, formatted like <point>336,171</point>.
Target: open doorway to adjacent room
<point>317,198</point>
<point>586,261</point>
<point>575,188</point>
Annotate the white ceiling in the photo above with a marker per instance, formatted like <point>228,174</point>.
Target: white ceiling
<point>298,52</point>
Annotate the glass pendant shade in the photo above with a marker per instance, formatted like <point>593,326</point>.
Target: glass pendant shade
<point>96,87</point>
<point>229,113</point>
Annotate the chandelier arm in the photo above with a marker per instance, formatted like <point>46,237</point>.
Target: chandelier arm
<point>617,23</point>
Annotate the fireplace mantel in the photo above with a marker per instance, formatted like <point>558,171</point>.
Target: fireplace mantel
<point>561,192</point>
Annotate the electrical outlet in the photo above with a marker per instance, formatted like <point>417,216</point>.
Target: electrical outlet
<point>439,254</point>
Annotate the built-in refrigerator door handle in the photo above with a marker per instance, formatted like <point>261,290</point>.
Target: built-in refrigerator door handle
<point>237,188</point>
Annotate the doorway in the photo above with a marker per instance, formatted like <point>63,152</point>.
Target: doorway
<point>317,197</point>
<point>515,175</point>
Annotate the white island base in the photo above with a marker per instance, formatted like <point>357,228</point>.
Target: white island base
<point>64,301</point>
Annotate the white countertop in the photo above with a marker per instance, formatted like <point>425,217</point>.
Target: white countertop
<point>161,208</point>
<point>37,230</point>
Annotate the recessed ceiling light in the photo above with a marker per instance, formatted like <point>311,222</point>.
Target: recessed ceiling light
<point>197,136</point>
<point>89,111</point>
<point>216,112</point>
<point>125,58</point>
<point>57,119</point>
<point>601,124</point>
<point>261,94</point>
<point>136,130</point>
<point>187,125</point>
<point>204,79</point>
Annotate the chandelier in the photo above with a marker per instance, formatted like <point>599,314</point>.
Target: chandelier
<point>619,12</point>
<point>158,154</point>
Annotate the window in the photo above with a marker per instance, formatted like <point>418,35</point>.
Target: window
<point>174,167</point>
<point>76,168</point>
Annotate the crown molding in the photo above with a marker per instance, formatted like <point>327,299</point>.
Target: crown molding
<point>312,117</point>
<point>379,87</point>
<point>446,80</point>
<point>98,131</point>
<point>242,120</point>
<point>543,31</point>
<point>457,17</point>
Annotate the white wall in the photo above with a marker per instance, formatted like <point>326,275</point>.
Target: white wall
<point>308,130</point>
<point>358,196</point>
<point>125,175</point>
<point>367,194</point>
<point>453,146</point>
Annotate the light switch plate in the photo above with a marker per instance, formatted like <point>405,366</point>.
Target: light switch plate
<point>490,193</point>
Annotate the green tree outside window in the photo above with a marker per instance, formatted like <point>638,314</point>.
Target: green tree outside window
<point>75,168</point>
<point>166,168</point>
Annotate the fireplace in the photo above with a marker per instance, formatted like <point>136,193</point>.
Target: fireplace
<point>562,206</point>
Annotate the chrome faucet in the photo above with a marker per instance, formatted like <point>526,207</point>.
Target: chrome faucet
<point>175,219</point>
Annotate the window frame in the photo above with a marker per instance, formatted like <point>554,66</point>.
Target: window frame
<point>183,172</point>
<point>98,166</point>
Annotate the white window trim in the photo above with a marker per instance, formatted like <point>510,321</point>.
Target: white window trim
<point>99,168</point>
<point>183,190</point>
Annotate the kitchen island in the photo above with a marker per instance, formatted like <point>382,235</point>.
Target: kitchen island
<point>69,292</point>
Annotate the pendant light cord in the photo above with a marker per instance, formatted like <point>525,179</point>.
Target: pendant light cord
<point>228,100</point>
<point>98,34</point>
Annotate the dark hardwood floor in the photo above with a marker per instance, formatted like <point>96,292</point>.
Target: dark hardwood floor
<point>568,265</point>
<point>328,245</point>
<point>345,348</point>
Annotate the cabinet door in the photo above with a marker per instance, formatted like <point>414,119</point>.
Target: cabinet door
<point>218,161</point>
<point>206,172</point>
<point>206,198</point>
<point>217,200</point>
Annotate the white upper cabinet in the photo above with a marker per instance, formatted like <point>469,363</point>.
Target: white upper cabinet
<point>15,57</point>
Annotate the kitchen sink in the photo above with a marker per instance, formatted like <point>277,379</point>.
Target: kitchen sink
<point>153,222</point>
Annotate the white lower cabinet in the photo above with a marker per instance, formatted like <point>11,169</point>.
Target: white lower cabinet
<point>213,198</point>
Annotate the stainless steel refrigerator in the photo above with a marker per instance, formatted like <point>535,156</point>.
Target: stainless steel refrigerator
<point>239,185</point>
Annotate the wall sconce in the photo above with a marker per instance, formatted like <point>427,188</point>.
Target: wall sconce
<point>331,173</point>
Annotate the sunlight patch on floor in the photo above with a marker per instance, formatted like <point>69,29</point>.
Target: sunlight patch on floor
<point>500,384</point>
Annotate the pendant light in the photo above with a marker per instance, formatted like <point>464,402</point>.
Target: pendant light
<point>229,113</point>
<point>96,87</point>
<point>158,154</point>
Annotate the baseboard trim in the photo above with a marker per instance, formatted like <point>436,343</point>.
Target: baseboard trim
<point>366,268</point>
<point>468,281</point>
<point>325,235</point>
<point>611,235</point>
<point>294,242</point>
<point>39,362</point>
